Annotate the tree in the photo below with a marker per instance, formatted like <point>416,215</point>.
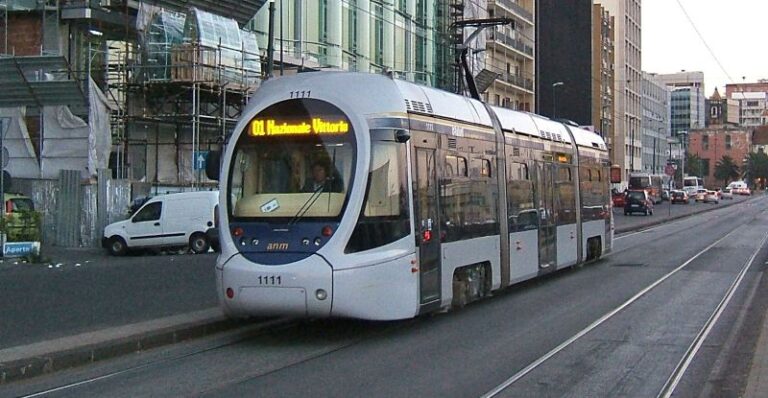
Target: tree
<point>693,165</point>
<point>726,170</point>
<point>756,167</point>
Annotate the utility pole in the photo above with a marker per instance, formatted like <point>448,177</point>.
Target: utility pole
<point>271,39</point>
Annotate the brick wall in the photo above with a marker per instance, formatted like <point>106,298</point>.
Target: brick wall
<point>715,148</point>
<point>25,33</point>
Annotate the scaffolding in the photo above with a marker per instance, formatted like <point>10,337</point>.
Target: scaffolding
<point>177,90</point>
<point>177,82</point>
<point>172,78</point>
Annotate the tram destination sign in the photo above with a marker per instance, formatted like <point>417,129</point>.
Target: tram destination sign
<point>315,126</point>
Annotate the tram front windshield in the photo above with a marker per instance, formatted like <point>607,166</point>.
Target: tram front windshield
<point>293,162</point>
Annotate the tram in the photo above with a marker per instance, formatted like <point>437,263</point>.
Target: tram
<point>362,196</point>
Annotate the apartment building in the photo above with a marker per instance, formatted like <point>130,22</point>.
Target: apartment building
<point>628,83</point>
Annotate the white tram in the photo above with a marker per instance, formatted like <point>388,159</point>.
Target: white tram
<point>356,195</point>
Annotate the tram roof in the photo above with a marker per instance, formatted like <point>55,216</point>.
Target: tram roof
<point>428,100</point>
<point>377,94</point>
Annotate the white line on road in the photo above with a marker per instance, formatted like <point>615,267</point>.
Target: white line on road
<point>519,375</point>
<point>685,362</point>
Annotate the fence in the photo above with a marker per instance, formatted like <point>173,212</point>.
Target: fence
<point>73,212</point>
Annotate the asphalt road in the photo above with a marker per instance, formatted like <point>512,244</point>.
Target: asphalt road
<point>518,335</point>
<point>91,291</point>
<point>665,210</point>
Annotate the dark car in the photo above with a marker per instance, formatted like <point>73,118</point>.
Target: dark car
<point>638,202</point>
<point>679,197</point>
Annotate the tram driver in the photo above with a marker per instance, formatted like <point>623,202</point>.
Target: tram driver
<point>322,180</point>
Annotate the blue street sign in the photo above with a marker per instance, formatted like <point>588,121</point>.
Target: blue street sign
<point>199,160</point>
<point>20,249</point>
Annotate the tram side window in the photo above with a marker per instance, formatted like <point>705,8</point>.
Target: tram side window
<point>565,196</point>
<point>467,204</point>
<point>485,168</point>
<point>385,217</point>
<point>522,214</point>
<point>455,166</point>
<point>591,205</point>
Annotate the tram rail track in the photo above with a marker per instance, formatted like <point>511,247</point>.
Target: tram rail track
<point>679,370</point>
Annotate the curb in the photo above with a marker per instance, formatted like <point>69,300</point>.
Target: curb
<point>24,362</point>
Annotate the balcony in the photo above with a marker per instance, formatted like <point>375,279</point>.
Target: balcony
<point>514,8</point>
<point>521,46</point>
<point>519,81</point>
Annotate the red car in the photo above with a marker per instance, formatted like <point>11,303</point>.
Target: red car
<point>619,199</point>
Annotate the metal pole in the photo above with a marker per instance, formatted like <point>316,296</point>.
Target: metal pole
<point>682,158</point>
<point>632,149</point>
<point>281,38</point>
<point>554,98</point>
<point>271,39</point>
<point>2,181</point>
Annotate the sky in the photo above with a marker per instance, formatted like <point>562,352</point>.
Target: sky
<point>735,31</point>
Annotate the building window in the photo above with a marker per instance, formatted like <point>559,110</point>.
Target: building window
<point>705,142</point>
<point>728,144</point>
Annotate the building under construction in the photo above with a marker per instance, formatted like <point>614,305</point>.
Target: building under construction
<point>141,88</point>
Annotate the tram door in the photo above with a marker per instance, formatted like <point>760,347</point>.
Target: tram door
<point>427,225</point>
<point>547,224</point>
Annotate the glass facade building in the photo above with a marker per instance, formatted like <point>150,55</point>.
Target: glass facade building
<point>400,36</point>
<point>656,124</point>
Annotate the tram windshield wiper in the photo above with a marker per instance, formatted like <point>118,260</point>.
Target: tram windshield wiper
<point>307,205</point>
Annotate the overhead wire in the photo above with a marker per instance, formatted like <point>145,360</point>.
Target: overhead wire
<point>701,37</point>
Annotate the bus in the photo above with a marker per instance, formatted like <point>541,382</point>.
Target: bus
<point>692,184</point>
<point>651,183</point>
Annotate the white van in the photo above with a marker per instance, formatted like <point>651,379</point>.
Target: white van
<point>174,220</point>
<point>737,185</point>
<point>692,185</point>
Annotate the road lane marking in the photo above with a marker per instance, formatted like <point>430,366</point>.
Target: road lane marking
<point>533,365</point>
<point>693,349</point>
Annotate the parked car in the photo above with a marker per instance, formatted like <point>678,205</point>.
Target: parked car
<point>711,197</point>
<point>700,194</point>
<point>727,193</point>
<point>679,197</point>
<point>167,221</point>
<point>638,202</point>
<point>745,191</point>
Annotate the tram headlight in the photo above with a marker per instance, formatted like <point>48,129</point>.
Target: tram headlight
<point>321,294</point>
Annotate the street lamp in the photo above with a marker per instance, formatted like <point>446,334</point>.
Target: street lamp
<point>554,98</point>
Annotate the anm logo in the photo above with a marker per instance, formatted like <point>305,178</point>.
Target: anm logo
<point>277,246</point>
